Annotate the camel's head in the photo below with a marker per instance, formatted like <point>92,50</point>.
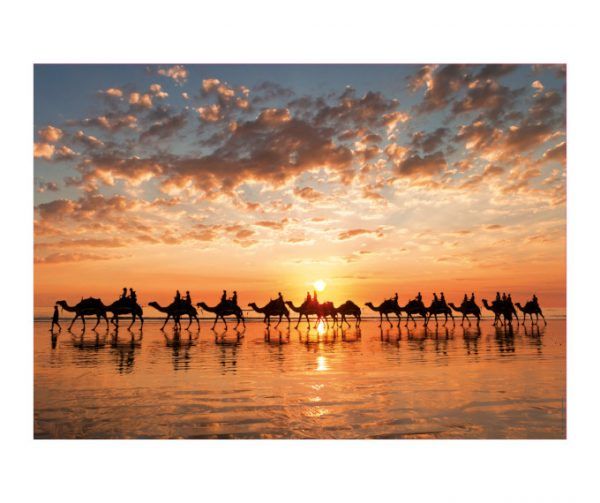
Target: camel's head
<point>153,303</point>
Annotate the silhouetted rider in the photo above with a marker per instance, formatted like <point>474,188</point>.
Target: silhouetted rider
<point>188,299</point>
<point>234,298</point>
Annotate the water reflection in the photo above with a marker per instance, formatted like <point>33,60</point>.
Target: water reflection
<point>342,382</point>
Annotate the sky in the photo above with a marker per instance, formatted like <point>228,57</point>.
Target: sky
<point>375,179</point>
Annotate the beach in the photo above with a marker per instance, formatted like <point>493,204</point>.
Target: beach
<point>440,382</point>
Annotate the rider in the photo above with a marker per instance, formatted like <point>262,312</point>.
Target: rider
<point>224,296</point>
<point>503,296</point>
<point>472,296</point>
<point>133,296</point>
<point>234,298</point>
<point>419,297</point>
<point>280,297</point>
<point>497,296</point>
<point>442,298</point>
<point>308,299</point>
<point>124,294</point>
<point>535,300</point>
<point>188,299</point>
<point>315,295</point>
<point>177,297</point>
<point>465,299</point>
<point>435,298</point>
<point>395,297</point>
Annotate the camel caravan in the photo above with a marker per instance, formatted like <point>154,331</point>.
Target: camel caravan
<point>503,308</point>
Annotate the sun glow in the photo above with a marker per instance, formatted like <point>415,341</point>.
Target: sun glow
<point>319,285</point>
<point>321,329</point>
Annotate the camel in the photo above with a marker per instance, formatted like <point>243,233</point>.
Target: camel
<point>348,308</point>
<point>320,310</point>
<point>530,309</point>
<point>176,310</point>
<point>500,309</point>
<point>415,307</point>
<point>386,307</point>
<point>273,308</point>
<point>86,307</point>
<point>465,309</point>
<point>440,307</point>
<point>125,306</point>
<point>222,309</point>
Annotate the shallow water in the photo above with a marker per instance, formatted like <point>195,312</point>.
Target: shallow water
<point>367,383</point>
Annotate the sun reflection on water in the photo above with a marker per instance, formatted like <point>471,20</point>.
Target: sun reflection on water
<point>322,364</point>
<point>321,329</point>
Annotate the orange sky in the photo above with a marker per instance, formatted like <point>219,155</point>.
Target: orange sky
<point>381,179</point>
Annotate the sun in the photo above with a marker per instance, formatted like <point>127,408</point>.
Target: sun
<point>320,285</point>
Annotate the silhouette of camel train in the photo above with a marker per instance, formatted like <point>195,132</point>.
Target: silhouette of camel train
<point>503,308</point>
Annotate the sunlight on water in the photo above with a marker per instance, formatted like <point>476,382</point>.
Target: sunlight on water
<point>444,382</point>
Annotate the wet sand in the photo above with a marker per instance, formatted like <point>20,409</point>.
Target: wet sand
<point>368,383</point>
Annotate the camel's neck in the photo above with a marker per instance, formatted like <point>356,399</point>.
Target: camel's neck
<point>256,308</point>
<point>66,307</point>
<point>292,306</point>
<point>374,308</point>
<point>208,308</point>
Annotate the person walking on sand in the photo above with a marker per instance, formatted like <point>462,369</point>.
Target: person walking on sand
<point>55,320</point>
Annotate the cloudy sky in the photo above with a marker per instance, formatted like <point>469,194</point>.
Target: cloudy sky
<point>263,178</point>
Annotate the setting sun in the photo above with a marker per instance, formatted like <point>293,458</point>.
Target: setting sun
<point>319,285</point>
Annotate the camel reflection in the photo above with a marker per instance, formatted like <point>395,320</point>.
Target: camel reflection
<point>277,334</point>
<point>124,349</point>
<point>180,346</point>
<point>228,349</point>
<point>505,339</point>
<point>471,339</point>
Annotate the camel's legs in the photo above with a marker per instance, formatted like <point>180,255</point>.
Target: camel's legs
<point>388,320</point>
<point>97,321</point>
<point>132,321</point>
<point>543,318</point>
<point>190,323</point>
<point>83,319</point>
<point>73,321</point>
<point>225,321</point>
<point>141,322</point>
<point>280,316</point>
<point>215,323</point>
<point>166,320</point>
<point>380,319</point>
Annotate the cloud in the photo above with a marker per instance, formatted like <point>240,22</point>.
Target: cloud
<point>536,84</point>
<point>558,153</point>
<point>111,122</point>
<point>352,233</point>
<point>64,153</point>
<point>428,142</point>
<point>112,92</point>
<point>88,141</point>
<point>50,134</point>
<point>489,96</point>
<point>211,113</point>
<point>440,85</point>
<point>43,151</point>
<point>58,258</point>
<point>371,110</point>
<point>308,194</point>
<point>177,72</point>
<point>415,166</point>
<point>494,71</point>
<point>166,127</point>
<point>140,100</point>
<point>157,92</point>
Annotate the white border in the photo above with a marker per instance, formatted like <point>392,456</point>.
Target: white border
<point>308,31</point>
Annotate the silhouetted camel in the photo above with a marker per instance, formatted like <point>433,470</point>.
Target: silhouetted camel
<point>467,308</point>
<point>501,309</point>
<point>385,308</point>
<point>86,307</point>
<point>307,308</point>
<point>415,307</point>
<point>439,307</point>
<point>125,306</point>
<point>273,308</point>
<point>175,310</point>
<point>530,309</point>
<point>348,308</point>
<point>225,308</point>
